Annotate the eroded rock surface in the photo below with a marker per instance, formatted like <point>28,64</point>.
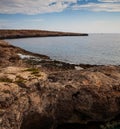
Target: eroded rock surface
<point>46,93</point>
<point>32,99</point>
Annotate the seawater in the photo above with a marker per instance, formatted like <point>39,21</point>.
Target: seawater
<point>100,49</point>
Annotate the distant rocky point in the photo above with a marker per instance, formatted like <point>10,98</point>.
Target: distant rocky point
<point>11,34</point>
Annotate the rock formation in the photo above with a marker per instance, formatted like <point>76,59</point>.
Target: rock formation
<point>9,54</point>
<point>32,98</point>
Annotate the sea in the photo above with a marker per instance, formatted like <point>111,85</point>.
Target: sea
<point>94,49</point>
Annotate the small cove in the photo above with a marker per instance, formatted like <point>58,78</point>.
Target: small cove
<point>100,49</point>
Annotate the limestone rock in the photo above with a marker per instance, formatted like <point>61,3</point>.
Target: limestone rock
<point>42,101</point>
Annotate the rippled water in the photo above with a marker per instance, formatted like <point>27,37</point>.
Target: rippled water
<point>92,49</point>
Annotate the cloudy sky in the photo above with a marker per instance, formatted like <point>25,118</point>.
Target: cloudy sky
<point>91,16</point>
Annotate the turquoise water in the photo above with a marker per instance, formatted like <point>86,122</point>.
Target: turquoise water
<point>93,49</point>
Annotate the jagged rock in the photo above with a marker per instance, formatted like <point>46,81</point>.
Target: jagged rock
<point>42,100</point>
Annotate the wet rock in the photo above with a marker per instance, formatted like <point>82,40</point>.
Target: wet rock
<point>10,55</point>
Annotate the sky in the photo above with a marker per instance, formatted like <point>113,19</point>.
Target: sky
<point>84,16</point>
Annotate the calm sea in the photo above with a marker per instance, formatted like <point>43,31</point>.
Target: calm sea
<point>93,49</point>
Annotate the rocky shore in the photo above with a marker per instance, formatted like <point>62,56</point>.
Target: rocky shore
<point>39,93</point>
<point>8,34</point>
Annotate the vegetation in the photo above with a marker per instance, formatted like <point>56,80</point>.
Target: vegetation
<point>19,79</point>
<point>5,79</point>
<point>33,70</point>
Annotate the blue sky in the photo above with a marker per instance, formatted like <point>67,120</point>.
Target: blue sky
<point>88,16</point>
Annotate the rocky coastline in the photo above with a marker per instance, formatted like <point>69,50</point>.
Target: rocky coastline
<point>13,34</point>
<point>39,93</point>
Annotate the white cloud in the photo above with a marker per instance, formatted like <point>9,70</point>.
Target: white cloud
<point>33,6</point>
<point>112,1</point>
<point>107,7</point>
<point>47,6</point>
